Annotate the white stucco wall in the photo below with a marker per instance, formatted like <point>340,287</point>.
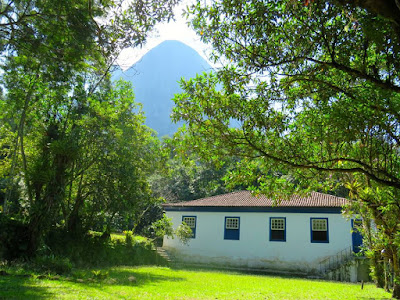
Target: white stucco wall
<point>254,249</point>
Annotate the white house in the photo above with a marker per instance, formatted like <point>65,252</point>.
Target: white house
<point>305,234</point>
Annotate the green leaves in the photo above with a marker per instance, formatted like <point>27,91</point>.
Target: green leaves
<point>298,89</point>
<point>308,98</point>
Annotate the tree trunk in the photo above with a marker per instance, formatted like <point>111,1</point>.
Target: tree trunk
<point>386,267</point>
<point>19,139</point>
<point>42,217</point>
<point>73,222</point>
<point>396,275</point>
<point>396,291</point>
<point>35,230</point>
<point>46,207</point>
<point>378,269</point>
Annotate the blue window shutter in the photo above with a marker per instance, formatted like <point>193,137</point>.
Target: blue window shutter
<point>232,228</point>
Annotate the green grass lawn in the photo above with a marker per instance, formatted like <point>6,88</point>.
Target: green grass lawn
<point>167,283</point>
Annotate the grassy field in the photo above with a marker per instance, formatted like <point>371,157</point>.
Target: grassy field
<point>166,283</point>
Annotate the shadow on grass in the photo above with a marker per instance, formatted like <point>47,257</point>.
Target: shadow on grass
<point>242,271</point>
<point>19,287</point>
<point>135,278</point>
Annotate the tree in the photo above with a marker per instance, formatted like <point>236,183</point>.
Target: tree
<point>372,202</point>
<point>390,10</point>
<point>56,60</point>
<point>70,30</point>
<point>66,37</point>
<point>186,177</point>
<point>309,90</point>
<point>110,180</point>
<point>87,155</point>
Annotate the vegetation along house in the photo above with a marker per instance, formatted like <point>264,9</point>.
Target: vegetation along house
<point>305,234</point>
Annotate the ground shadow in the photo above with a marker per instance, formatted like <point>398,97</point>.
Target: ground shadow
<point>22,287</point>
<point>26,287</point>
<point>132,277</point>
<point>240,271</point>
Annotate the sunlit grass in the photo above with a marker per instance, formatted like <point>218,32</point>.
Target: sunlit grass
<point>166,283</point>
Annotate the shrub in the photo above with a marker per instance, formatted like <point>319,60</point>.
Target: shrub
<point>14,239</point>
<point>128,238</point>
<point>53,264</point>
<point>184,233</point>
<point>162,227</point>
<point>92,250</point>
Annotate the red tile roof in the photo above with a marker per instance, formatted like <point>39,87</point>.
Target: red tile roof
<point>246,199</point>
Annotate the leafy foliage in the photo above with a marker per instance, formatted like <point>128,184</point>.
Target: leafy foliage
<point>73,146</point>
<point>293,104</point>
<point>14,239</point>
<point>162,227</point>
<point>307,97</point>
<point>184,233</point>
<point>186,176</point>
<point>67,31</point>
<point>53,264</point>
<point>381,240</point>
<point>96,250</point>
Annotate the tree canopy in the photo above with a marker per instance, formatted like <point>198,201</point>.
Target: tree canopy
<point>186,176</point>
<point>313,88</point>
<point>308,96</point>
<point>75,152</point>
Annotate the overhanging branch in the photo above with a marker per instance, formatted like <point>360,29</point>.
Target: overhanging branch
<point>393,182</point>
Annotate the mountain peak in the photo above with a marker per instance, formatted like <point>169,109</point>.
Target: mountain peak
<point>171,46</point>
<point>171,43</point>
<point>173,54</point>
<point>155,80</point>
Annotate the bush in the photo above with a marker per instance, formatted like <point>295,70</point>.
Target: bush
<point>53,264</point>
<point>61,251</point>
<point>184,233</point>
<point>93,250</point>
<point>128,238</point>
<point>14,239</point>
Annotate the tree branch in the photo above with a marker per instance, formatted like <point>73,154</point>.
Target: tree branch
<point>292,164</point>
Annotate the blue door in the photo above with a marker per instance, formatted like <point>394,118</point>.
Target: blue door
<point>356,235</point>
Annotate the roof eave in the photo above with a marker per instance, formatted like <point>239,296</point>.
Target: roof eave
<point>287,209</point>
